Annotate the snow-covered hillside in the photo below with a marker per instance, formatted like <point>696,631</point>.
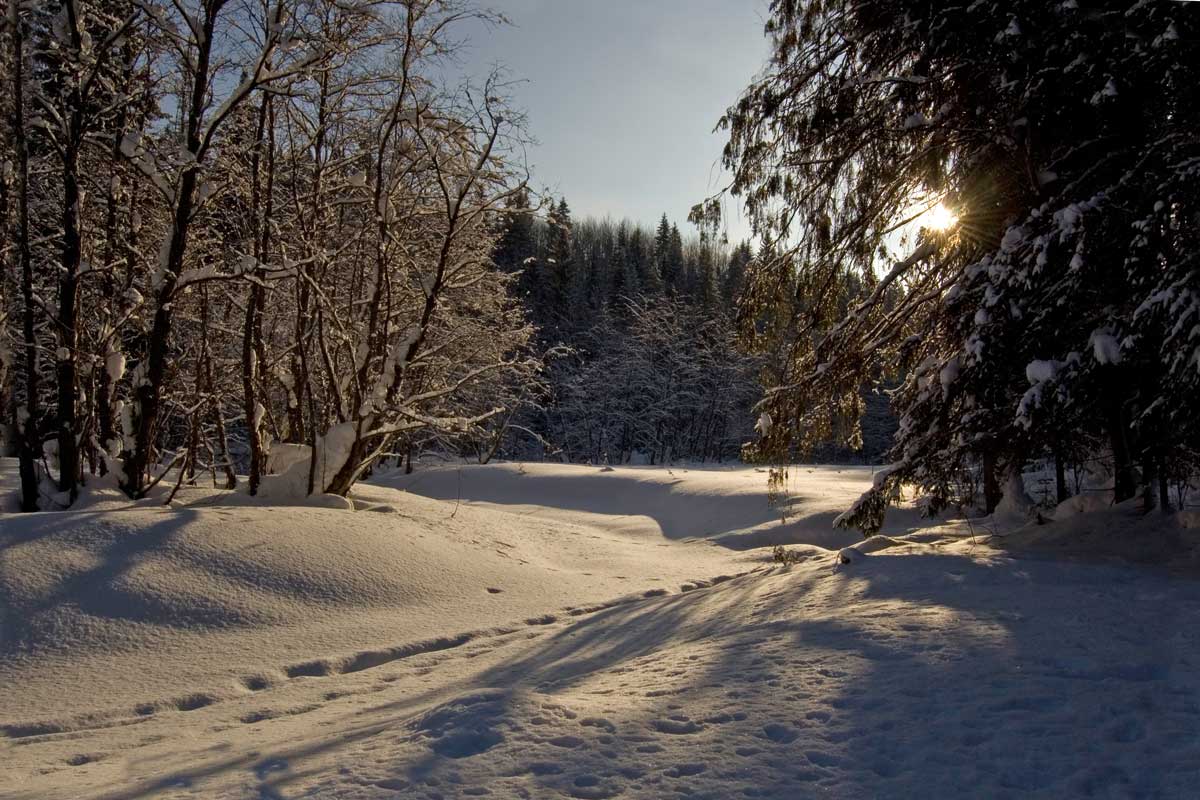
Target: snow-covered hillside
<point>555,631</point>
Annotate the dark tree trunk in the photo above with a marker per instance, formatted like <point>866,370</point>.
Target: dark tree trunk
<point>250,367</point>
<point>148,396</point>
<point>8,295</point>
<point>30,441</point>
<point>67,334</point>
<point>1124,486</point>
<point>1060,477</point>
<point>252,362</point>
<point>991,483</point>
<point>1164,493</point>
<point>1149,482</point>
<point>213,399</point>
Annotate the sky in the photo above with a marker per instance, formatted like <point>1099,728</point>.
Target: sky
<point>622,96</point>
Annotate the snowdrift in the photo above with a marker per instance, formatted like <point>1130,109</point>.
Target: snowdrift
<point>219,592</point>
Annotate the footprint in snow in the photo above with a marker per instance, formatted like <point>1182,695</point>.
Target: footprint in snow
<point>677,727</point>
<point>598,722</point>
<point>265,768</point>
<point>782,734</point>
<point>464,744</point>
<point>568,742</point>
<point>686,770</point>
<point>822,759</point>
<point>79,759</point>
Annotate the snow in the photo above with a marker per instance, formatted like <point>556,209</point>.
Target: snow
<point>1014,237</point>
<point>114,366</point>
<point>949,374</point>
<point>724,506</point>
<point>289,486</point>
<point>283,456</point>
<point>1040,371</point>
<point>1015,501</point>
<point>549,631</point>
<point>1106,348</point>
<point>131,143</point>
<point>763,425</point>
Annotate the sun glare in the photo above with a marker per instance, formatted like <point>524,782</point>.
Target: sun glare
<point>940,218</point>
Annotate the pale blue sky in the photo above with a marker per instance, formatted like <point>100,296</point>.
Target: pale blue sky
<point>622,96</point>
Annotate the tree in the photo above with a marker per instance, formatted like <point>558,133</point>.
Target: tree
<point>735,274</point>
<point>517,244</point>
<point>1070,272</point>
<point>276,216</point>
<point>27,419</point>
<point>668,254</point>
<point>665,382</point>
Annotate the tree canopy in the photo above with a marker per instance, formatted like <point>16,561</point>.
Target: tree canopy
<point>995,202</point>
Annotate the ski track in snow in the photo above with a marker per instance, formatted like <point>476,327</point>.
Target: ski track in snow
<point>916,671</point>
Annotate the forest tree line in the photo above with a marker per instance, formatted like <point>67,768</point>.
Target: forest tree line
<point>643,363</point>
<point>641,327</point>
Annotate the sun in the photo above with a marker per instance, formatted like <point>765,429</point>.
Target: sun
<point>940,218</point>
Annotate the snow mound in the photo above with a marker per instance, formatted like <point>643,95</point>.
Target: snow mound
<point>196,597</point>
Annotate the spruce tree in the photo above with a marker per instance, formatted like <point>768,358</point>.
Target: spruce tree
<point>735,274</point>
<point>517,244</point>
<point>1062,304</point>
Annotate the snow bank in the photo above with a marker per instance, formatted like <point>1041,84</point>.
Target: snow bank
<point>1085,503</point>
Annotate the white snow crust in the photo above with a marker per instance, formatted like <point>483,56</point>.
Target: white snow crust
<point>554,631</point>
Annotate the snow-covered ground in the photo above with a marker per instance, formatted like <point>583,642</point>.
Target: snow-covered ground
<point>562,631</point>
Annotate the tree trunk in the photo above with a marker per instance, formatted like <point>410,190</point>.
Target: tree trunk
<point>8,295</point>
<point>1164,494</point>
<point>1149,482</point>
<point>30,442</point>
<point>252,365</point>
<point>349,471</point>
<point>1060,477</point>
<point>214,403</point>
<point>112,251</point>
<point>66,327</point>
<point>1124,486</point>
<point>991,483</point>
<point>148,395</point>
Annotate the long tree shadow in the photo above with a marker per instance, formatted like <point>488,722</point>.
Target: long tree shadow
<point>914,675</point>
<point>939,673</point>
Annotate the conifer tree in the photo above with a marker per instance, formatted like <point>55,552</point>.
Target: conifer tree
<point>1061,304</point>
<point>735,274</point>
<point>517,244</point>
